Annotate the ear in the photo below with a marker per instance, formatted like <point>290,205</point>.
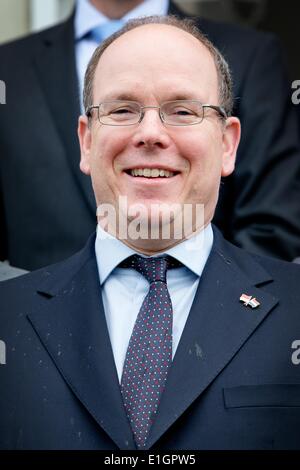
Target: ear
<point>231,139</point>
<point>85,139</point>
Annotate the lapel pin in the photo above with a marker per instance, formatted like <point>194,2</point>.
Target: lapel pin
<point>250,301</point>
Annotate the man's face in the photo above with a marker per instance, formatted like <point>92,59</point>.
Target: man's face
<point>152,64</point>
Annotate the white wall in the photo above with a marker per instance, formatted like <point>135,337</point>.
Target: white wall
<point>14,19</point>
<point>20,17</point>
<point>44,13</point>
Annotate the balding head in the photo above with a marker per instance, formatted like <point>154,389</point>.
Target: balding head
<point>187,25</point>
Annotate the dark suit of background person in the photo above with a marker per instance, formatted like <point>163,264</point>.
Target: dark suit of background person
<point>233,384</point>
<point>40,180</point>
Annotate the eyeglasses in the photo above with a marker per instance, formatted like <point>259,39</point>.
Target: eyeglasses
<point>173,113</point>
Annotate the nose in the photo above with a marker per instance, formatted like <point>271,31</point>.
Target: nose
<point>151,132</point>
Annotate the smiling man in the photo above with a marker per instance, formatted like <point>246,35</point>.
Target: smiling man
<point>158,133</point>
<point>153,342</point>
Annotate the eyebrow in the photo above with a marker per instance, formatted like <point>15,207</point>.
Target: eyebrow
<point>187,95</point>
<point>120,97</point>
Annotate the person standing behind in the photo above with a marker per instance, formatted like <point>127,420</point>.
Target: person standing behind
<point>40,180</point>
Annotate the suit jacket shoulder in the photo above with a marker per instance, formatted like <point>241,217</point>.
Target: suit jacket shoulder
<point>28,43</point>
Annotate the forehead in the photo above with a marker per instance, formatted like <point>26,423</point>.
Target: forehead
<point>155,57</point>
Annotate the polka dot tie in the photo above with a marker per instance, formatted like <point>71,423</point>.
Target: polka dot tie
<point>149,353</point>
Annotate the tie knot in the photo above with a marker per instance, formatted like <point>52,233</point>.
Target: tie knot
<point>153,269</point>
<point>100,33</point>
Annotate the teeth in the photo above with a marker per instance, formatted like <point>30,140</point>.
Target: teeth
<point>154,173</point>
<point>151,173</point>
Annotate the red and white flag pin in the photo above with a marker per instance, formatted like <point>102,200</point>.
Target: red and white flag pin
<point>250,301</point>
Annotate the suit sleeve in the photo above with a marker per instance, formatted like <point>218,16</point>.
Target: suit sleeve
<point>266,182</point>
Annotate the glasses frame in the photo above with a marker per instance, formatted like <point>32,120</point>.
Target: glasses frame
<point>219,109</point>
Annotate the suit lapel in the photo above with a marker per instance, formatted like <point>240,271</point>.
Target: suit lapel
<point>56,70</point>
<point>71,324</point>
<point>72,327</point>
<point>217,327</point>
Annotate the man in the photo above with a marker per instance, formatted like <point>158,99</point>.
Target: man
<point>40,176</point>
<point>193,347</point>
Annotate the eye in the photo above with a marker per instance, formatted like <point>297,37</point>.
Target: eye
<point>122,110</point>
<point>183,111</point>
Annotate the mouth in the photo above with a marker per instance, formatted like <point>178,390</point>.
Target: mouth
<point>151,173</point>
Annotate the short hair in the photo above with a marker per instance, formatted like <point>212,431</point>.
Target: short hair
<point>188,25</point>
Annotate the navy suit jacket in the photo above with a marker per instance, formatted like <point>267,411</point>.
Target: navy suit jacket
<point>232,384</point>
<point>40,179</point>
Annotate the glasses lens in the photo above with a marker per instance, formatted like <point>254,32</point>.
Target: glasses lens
<point>182,112</point>
<point>119,113</point>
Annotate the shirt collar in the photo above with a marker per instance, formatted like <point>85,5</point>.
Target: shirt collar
<point>110,252</point>
<point>87,17</point>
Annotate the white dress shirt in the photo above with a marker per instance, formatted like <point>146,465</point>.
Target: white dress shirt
<point>123,290</point>
<point>88,17</point>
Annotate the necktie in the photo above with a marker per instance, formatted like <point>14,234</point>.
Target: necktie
<point>149,353</point>
<point>100,33</point>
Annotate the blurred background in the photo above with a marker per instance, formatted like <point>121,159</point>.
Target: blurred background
<point>19,17</point>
